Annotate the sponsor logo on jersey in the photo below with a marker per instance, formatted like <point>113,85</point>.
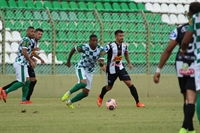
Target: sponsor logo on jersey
<point>117,58</point>
<point>185,70</point>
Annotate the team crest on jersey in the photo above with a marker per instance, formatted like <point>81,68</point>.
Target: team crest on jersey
<point>117,58</point>
<point>191,22</point>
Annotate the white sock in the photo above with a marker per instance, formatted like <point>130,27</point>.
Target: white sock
<point>69,102</point>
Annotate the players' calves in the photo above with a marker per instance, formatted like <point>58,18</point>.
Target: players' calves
<point>128,83</point>
<point>84,81</point>
<point>190,97</point>
<point>109,87</point>
<point>85,91</point>
<point>32,79</point>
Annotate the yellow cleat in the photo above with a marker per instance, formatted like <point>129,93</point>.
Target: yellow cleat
<point>65,96</point>
<point>70,105</point>
<point>183,130</point>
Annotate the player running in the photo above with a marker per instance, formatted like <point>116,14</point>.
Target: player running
<point>90,54</point>
<point>115,52</point>
<point>37,36</point>
<point>185,70</point>
<point>20,66</point>
<point>194,30</point>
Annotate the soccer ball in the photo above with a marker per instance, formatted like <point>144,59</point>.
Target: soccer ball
<point>111,104</point>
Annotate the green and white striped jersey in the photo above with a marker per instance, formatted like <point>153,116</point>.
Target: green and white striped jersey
<point>194,26</point>
<point>89,57</point>
<point>24,43</point>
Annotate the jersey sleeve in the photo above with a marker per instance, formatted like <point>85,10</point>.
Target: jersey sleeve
<point>107,48</point>
<point>191,24</point>
<point>80,48</point>
<point>25,43</point>
<point>174,35</point>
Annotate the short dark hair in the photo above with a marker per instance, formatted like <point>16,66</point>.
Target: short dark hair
<point>30,27</point>
<point>118,31</point>
<point>39,29</point>
<point>93,36</point>
<point>194,7</point>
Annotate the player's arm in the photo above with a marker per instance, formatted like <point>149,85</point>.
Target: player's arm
<point>78,49</point>
<point>37,56</point>
<point>166,54</point>
<point>127,57</point>
<point>188,36</point>
<point>25,52</point>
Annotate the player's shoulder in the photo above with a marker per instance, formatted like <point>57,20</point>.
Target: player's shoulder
<point>99,46</point>
<point>183,28</point>
<point>26,39</point>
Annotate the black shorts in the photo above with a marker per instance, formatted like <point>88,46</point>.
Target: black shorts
<point>186,83</point>
<point>31,72</point>
<point>122,74</point>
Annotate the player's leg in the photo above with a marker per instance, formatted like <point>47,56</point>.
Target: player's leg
<point>124,76</point>
<point>33,82</point>
<point>197,82</point>
<point>6,87</point>
<point>85,91</point>
<point>82,83</point>
<point>20,78</point>
<point>110,79</point>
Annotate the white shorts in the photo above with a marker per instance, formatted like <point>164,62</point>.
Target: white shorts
<point>82,74</point>
<point>197,76</point>
<point>21,72</point>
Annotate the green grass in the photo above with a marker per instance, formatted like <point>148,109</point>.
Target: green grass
<point>50,115</point>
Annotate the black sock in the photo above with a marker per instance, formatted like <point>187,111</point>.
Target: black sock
<point>31,88</point>
<point>184,107</point>
<point>103,92</point>
<point>188,116</point>
<point>134,93</point>
<point>9,85</point>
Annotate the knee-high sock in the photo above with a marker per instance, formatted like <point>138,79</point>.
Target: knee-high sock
<point>103,92</point>
<point>9,85</point>
<point>31,88</point>
<point>189,113</point>
<point>25,89</point>
<point>77,87</point>
<point>14,87</point>
<point>78,97</point>
<point>134,93</point>
<point>198,106</point>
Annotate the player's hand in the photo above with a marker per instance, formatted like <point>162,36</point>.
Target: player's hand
<point>36,49</point>
<point>42,61</point>
<point>32,64</point>
<point>103,68</point>
<point>156,77</point>
<point>130,66</point>
<point>68,64</point>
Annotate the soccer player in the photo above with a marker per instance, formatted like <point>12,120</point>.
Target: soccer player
<point>31,72</point>
<point>194,30</point>
<point>115,52</point>
<point>185,71</point>
<point>37,36</point>
<point>20,66</point>
<point>90,54</point>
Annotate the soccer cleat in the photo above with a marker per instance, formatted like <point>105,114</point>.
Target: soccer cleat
<point>99,101</point>
<point>183,130</point>
<point>4,95</point>
<point>29,102</point>
<point>24,102</point>
<point>0,93</point>
<point>192,131</point>
<point>70,105</point>
<point>65,96</point>
<point>139,104</point>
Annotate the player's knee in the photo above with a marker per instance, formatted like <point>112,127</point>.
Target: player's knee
<point>85,91</point>
<point>109,87</point>
<point>32,79</point>
<point>84,81</point>
<point>128,83</point>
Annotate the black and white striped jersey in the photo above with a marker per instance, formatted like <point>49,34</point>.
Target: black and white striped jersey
<point>115,53</point>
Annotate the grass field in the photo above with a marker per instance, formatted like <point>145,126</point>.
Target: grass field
<point>50,115</point>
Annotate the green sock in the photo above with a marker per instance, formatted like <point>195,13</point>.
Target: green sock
<point>198,106</point>
<point>25,89</point>
<point>14,87</point>
<point>78,97</point>
<point>77,87</point>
